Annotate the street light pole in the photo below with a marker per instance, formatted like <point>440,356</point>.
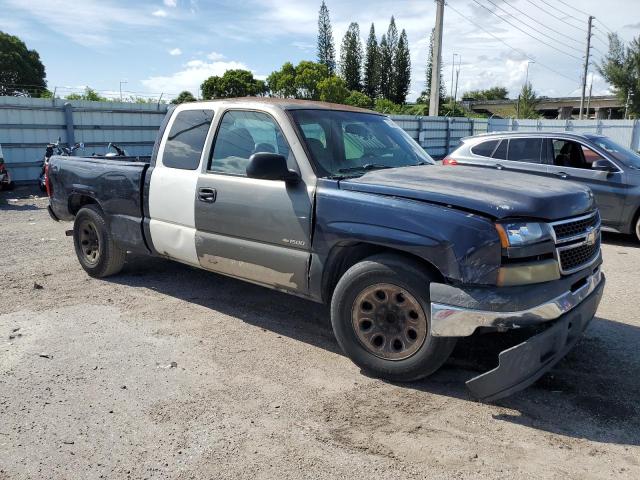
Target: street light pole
<point>121,82</point>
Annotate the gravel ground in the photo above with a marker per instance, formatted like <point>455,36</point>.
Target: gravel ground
<point>165,371</point>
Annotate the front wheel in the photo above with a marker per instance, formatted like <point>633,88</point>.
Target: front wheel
<point>381,319</point>
<point>638,228</point>
<point>97,252</point>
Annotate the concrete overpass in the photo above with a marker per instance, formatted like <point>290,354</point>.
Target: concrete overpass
<point>600,107</point>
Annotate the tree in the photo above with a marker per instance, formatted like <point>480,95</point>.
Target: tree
<point>426,95</point>
<point>386,65</point>
<point>233,83</point>
<point>493,93</point>
<point>89,94</point>
<point>384,105</point>
<point>371,80</point>
<point>282,83</point>
<point>300,81</point>
<point>184,97</point>
<point>351,58</point>
<point>527,101</point>
<point>388,47</point>
<point>358,99</point>
<point>621,68</point>
<point>401,70</point>
<point>333,89</point>
<point>326,48</point>
<point>21,71</point>
<point>308,75</point>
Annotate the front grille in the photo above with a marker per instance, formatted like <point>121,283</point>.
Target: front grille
<point>577,242</point>
<point>575,257</point>
<point>572,228</point>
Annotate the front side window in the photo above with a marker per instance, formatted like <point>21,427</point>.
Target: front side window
<point>625,155</point>
<point>240,135</point>
<point>186,139</point>
<point>351,143</point>
<point>525,150</point>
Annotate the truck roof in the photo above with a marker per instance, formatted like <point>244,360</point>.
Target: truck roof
<point>290,104</point>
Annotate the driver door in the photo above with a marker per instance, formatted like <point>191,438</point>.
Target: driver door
<point>254,229</point>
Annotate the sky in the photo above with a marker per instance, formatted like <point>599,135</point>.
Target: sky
<point>166,46</point>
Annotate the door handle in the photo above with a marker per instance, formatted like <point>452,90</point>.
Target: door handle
<point>207,195</point>
<point>499,166</point>
<point>562,174</point>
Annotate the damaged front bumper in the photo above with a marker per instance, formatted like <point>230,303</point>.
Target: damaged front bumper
<point>567,315</point>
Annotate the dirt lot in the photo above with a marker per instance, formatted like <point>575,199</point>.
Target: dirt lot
<point>165,371</point>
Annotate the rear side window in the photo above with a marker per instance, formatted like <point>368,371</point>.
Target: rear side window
<point>186,139</point>
<point>484,149</point>
<point>501,151</point>
<point>525,149</point>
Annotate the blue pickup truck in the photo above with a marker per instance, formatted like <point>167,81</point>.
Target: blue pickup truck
<point>340,206</point>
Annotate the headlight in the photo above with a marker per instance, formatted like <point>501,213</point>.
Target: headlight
<point>521,233</point>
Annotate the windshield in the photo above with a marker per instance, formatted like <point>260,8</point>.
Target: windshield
<point>625,155</point>
<point>350,143</point>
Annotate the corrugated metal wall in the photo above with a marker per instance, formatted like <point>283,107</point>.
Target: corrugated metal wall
<point>440,135</point>
<point>28,124</point>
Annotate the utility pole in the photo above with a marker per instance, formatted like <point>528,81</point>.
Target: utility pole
<point>436,55</point>
<point>586,65</point>
<point>589,98</point>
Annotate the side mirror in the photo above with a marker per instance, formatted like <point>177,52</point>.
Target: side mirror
<point>603,165</point>
<point>271,166</point>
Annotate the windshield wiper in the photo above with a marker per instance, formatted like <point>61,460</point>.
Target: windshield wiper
<point>366,167</point>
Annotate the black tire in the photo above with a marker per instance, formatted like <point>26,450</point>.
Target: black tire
<point>102,257</point>
<point>636,227</point>
<point>396,271</point>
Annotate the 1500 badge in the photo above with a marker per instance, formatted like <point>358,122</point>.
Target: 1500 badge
<point>298,243</point>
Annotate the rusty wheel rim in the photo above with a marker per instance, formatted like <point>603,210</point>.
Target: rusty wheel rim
<point>389,322</point>
<point>89,242</point>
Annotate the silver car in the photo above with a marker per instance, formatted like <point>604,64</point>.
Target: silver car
<point>610,170</point>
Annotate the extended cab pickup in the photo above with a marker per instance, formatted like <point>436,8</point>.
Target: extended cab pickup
<point>339,205</point>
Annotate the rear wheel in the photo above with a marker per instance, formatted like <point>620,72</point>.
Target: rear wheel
<point>380,317</point>
<point>637,229</point>
<point>97,252</point>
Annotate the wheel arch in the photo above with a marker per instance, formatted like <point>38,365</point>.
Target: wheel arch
<point>342,257</point>
<point>78,200</point>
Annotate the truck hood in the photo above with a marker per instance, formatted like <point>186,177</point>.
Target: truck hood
<point>497,194</point>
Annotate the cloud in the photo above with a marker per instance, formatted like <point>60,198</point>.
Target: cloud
<point>92,23</point>
<point>190,77</point>
<point>175,52</point>
<point>213,56</point>
<point>170,3</point>
<point>159,13</point>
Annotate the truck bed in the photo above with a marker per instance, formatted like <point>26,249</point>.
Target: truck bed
<point>115,184</point>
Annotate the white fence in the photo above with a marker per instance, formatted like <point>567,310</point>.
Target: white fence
<point>28,124</point>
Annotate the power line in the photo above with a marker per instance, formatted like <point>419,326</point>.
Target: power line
<point>555,16</point>
<point>574,8</point>
<point>606,28</point>
<point>566,14</point>
<point>524,54</point>
<point>527,33</point>
<point>539,23</point>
